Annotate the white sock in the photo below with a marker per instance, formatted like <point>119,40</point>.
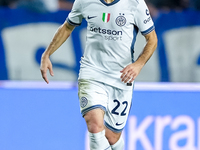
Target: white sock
<point>119,145</point>
<point>98,141</point>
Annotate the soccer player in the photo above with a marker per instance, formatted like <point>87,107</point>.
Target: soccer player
<point>108,69</point>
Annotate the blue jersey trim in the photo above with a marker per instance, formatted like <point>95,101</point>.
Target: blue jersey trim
<point>83,112</point>
<point>135,32</point>
<point>112,129</point>
<point>72,23</point>
<point>148,30</point>
<point>109,4</point>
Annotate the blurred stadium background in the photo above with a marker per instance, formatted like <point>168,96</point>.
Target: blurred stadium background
<point>165,113</point>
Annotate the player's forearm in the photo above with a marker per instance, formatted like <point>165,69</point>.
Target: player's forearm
<point>59,38</point>
<point>149,48</point>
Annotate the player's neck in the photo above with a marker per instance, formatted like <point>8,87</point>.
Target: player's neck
<point>108,1</point>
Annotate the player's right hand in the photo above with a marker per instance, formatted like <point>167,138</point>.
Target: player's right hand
<point>44,67</point>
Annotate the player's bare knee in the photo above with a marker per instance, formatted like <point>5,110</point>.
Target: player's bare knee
<point>94,120</point>
<point>95,128</point>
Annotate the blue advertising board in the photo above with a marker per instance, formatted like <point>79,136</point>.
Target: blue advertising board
<point>47,117</point>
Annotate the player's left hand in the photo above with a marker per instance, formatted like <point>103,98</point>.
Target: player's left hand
<point>130,72</point>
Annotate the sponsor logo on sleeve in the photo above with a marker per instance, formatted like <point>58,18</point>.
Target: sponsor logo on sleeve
<point>147,12</point>
<point>149,18</point>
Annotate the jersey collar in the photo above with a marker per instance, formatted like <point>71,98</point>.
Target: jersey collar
<point>114,2</point>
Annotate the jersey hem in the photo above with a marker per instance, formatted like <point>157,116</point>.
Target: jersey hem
<point>107,80</point>
<point>95,74</point>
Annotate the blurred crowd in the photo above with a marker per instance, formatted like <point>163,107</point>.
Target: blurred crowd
<point>155,6</point>
<point>165,6</point>
<point>38,5</point>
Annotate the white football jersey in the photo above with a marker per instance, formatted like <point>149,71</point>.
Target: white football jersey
<point>111,34</point>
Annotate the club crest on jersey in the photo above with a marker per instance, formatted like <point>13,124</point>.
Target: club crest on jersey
<point>120,20</point>
<point>106,17</point>
<point>83,102</point>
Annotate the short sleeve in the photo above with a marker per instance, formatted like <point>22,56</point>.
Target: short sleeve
<point>75,16</point>
<point>143,19</point>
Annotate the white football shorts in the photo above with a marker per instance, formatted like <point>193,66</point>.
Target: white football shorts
<point>113,101</point>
